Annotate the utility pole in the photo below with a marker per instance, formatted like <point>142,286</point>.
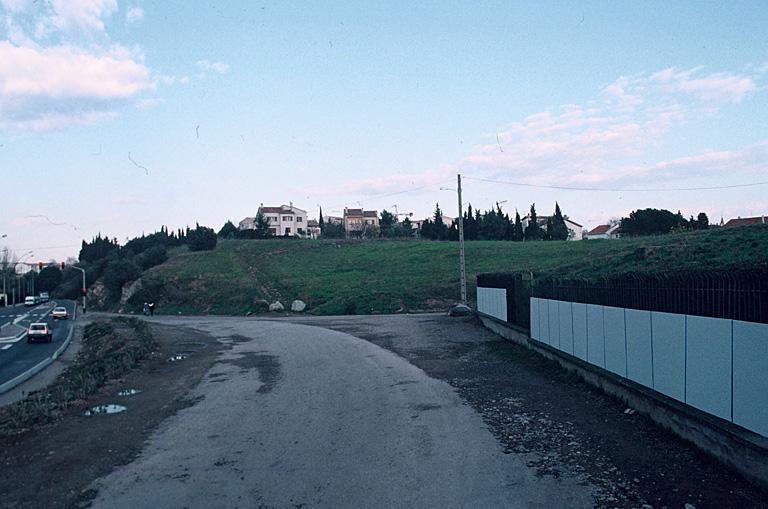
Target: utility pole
<point>462,268</point>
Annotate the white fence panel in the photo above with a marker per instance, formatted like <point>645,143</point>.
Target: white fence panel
<point>554,323</point>
<point>493,302</point>
<point>544,319</point>
<point>639,347</point>
<point>750,376</point>
<point>708,365</point>
<point>535,328</point>
<point>595,335</point>
<point>669,354</point>
<point>615,340</point>
<point>565,315</point>
<point>579,312</point>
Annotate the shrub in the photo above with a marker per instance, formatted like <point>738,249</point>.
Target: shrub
<point>201,239</point>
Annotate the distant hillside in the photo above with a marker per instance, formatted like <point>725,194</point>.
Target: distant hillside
<point>387,276</point>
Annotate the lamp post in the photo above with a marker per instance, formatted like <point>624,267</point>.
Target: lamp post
<point>25,255</point>
<point>84,290</point>
<point>5,275</point>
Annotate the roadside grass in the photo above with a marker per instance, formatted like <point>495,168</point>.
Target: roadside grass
<point>109,350</point>
<point>387,276</point>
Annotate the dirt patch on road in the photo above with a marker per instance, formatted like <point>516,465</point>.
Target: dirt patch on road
<point>53,465</point>
<point>562,425</point>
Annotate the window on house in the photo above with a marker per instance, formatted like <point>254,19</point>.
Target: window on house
<point>287,218</point>
<point>298,219</point>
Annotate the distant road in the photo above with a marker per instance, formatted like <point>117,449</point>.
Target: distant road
<point>17,356</point>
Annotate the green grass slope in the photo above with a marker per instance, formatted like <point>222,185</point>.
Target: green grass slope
<point>343,277</point>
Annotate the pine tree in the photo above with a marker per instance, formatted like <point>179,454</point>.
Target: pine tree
<point>533,230</point>
<point>517,233</point>
<point>261,226</point>
<point>556,227</point>
<point>322,221</point>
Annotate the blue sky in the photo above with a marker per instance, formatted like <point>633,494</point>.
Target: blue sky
<point>118,117</point>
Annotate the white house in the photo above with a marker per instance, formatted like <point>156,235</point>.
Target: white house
<point>604,231</point>
<point>285,220</point>
<point>575,230</point>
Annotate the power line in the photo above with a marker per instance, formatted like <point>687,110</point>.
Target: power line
<point>619,189</point>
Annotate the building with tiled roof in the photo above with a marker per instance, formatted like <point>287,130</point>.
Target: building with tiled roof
<point>359,222</point>
<point>285,220</point>
<point>604,231</point>
<point>747,221</point>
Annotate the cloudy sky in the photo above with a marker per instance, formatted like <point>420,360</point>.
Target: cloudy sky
<point>121,116</point>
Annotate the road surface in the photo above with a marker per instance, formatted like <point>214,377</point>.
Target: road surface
<point>301,416</point>
<point>16,355</point>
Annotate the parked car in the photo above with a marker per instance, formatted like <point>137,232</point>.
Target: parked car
<point>30,301</point>
<point>60,313</point>
<point>39,332</point>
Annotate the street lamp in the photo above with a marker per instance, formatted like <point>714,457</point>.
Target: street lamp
<point>85,290</point>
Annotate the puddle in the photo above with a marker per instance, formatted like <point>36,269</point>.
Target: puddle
<point>104,409</point>
<point>129,392</point>
<point>177,357</point>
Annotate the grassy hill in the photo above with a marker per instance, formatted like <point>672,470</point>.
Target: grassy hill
<point>386,276</point>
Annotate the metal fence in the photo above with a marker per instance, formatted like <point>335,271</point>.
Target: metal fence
<point>734,295</point>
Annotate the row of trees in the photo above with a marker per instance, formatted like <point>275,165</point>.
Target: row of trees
<point>494,224</point>
<point>117,265</point>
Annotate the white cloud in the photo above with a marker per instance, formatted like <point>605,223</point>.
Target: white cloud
<point>68,72</point>
<point>134,15</point>
<point>52,121</point>
<point>81,15</point>
<point>605,140</point>
<point>218,67</point>
<point>41,87</point>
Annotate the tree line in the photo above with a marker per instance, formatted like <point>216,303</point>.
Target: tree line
<point>495,224</point>
<point>117,265</point>
<point>660,222</point>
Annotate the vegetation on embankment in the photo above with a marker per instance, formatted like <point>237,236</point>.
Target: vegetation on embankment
<point>386,276</point>
<point>109,350</point>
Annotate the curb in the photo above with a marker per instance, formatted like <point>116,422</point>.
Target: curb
<point>14,339</point>
<point>13,382</point>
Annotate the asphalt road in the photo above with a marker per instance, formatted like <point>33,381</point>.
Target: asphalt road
<point>301,416</point>
<point>17,356</point>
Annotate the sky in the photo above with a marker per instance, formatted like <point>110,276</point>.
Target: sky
<point>117,117</point>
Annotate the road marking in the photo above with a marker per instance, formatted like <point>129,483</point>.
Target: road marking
<point>6,347</point>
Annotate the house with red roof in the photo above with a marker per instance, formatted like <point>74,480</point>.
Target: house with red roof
<point>604,231</point>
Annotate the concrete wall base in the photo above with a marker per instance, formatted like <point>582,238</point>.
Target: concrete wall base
<point>744,451</point>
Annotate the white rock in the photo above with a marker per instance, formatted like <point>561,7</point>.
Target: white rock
<point>298,306</point>
<point>276,306</point>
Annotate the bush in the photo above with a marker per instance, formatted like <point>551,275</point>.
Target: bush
<point>117,273</point>
<point>201,239</point>
<point>153,256</point>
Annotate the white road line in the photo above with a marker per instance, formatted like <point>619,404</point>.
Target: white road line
<point>6,347</point>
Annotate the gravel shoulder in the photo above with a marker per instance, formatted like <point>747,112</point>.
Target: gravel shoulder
<point>53,465</point>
